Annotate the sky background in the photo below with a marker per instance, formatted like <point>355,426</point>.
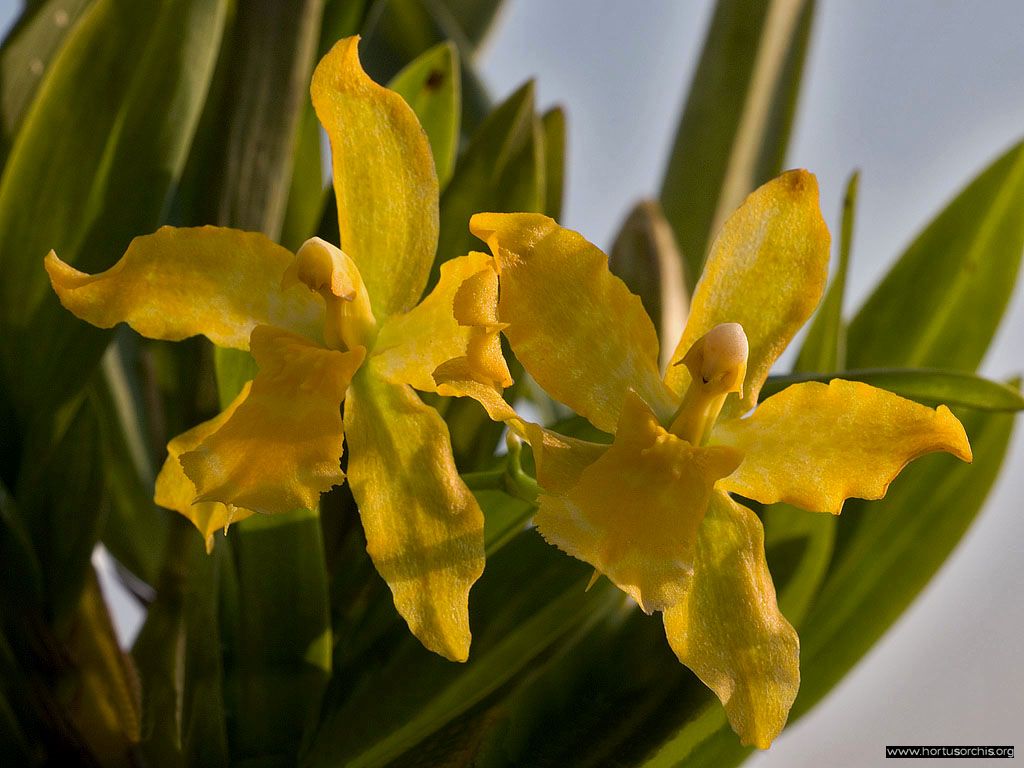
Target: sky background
<point>919,95</point>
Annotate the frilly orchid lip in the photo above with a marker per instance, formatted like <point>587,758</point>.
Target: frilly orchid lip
<point>653,511</point>
<point>325,326</point>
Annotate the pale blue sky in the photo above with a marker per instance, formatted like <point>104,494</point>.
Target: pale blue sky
<point>920,95</point>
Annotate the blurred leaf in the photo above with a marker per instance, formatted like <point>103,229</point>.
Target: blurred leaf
<point>277,635</point>
<point>925,385</point>
<point>900,542</point>
<point>646,257</point>
<point>307,193</point>
<point>25,55</point>
<point>131,80</point>
<point>824,347</point>
<point>553,123</point>
<point>430,84</point>
<point>282,659</point>
<point>474,17</point>
<point>397,31</point>
<point>942,302</point>
<point>405,694</point>
<point>493,174</point>
<point>135,531</point>
<point>273,51</point>
<point>736,123</point>
<point>103,696</point>
<point>60,500</point>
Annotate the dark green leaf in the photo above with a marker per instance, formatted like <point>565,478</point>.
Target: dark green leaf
<point>925,385</point>
<point>736,124</point>
<point>430,84</point>
<point>474,17</point>
<point>942,302</point>
<point>553,122</point>
<point>824,347</point>
<point>131,80</point>
<point>26,53</point>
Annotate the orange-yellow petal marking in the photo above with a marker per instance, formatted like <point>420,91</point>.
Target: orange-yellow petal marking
<point>175,491</point>
<point>454,326</point>
<point>282,447</point>
<point>766,271</point>
<point>728,629</point>
<point>815,445</point>
<point>384,179</point>
<point>635,511</point>
<point>177,283</point>
<point>575,327</point>
<point>424,528</point>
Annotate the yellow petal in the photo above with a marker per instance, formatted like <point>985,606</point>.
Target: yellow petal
<point>384,179</point>
<point>176,283</point>
<point>574,326</point>
<point>282,447</point>
<point>635,511</point>
<point>728,629</point>
<point>424,529</point>
<point>815,445</point>
<point>456,326</point>
<point>175,491</point>
<point>766,271</point>
<point>560,460</point>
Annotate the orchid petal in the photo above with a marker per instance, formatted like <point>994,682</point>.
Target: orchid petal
<point>454,326</point>
<point>175,491</point>
<point>728,629</point>
<point>635,511</point>
<point>281,448</point>
<point>815,445</point>
<point>575,326</point>
<point>384,179</point>
<point>424,528</point>
<point>180,282</point>
<point>766,271</point>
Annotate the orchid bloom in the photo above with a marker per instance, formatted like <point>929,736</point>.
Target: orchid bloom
<point>653,510</point>
<point>326,325</point>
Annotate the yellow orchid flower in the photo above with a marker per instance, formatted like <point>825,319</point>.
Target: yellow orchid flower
<point>326,326</point>
<point>653,510</point>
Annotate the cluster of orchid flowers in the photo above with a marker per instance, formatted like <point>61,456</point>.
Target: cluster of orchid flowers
<point>653,511</point>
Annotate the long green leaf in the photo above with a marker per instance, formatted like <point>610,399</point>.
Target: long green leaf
<point>553,122</point>
<point>901,541</point>
<point>925,385</point>
<point>736,123</point>
<point>824,347</point>
<point>942,302</point>
<point>431,86</point>
<point>131,79</point>
<point>25,55</point>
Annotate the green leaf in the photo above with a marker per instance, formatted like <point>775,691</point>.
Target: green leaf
<point>646,257</point>
<point>430,84</point>
<point>135,530</point>
<point>925,385</point>
<point>474,17</point>
<point>899,544</point>
<point>493,174</point>
<point>824,347</point>
<point>553,122</point>
<point>308,191</point>
<point>406,694</point>
<point>942,302</point>
<point>131,79</point>
<point>283,638</point>
<point>25,55</point>
<point>397,31</point>
<point>21,579</point>
<point>737,119</point>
